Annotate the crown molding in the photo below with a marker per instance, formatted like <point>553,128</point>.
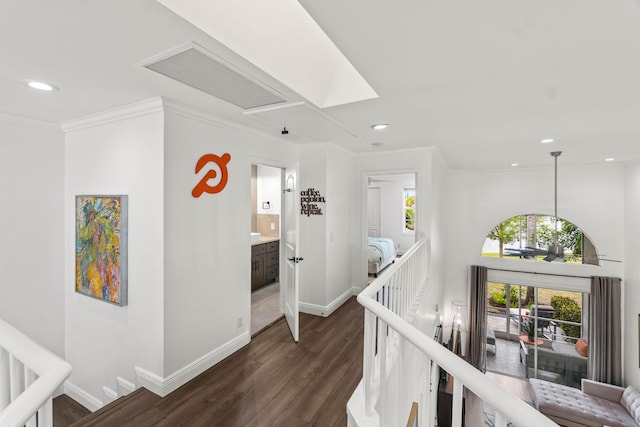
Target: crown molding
<point>165,105</point>
<point>29,122</point>
<point>209,118</point>
<point>137,109</point>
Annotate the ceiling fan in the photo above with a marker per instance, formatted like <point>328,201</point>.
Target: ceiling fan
<point>555,252</point>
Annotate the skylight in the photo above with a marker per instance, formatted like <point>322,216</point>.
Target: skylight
<point>282,39</point>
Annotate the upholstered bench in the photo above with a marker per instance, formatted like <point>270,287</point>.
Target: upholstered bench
<point>597,404</point>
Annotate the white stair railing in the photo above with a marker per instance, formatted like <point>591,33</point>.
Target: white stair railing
<point>29,377</point>
<point>401,364</point>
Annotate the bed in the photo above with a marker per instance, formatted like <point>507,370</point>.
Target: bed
<point>381,252</point>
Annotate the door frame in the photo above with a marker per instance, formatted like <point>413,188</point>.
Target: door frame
<point>365,211</point>
<point>282,168</point>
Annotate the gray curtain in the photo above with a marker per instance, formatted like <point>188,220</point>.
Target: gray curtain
<point>477,354</point>
<point>605,332</point>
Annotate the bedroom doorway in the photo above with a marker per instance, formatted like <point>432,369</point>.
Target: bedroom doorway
<point>266,220</point>
<point>391,219</point>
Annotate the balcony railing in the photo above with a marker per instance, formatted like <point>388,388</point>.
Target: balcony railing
<point>401,363</point>
<point>29,377</point>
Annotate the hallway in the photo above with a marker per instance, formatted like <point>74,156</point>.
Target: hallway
<point>270,382</point>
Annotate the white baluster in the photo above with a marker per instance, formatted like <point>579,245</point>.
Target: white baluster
<point>29,378</point>
<point>400,385</point>
<point>382,355</point>
<point>45,414</point>
<point>5,391</point>
<point>456,411</point>
<point>368,359</point>
<point>16,377</point>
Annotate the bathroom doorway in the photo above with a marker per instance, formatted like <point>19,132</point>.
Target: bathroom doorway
<point>266,221</point>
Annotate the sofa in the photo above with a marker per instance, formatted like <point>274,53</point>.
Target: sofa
<point>557,361</point>
<point>596,404</point>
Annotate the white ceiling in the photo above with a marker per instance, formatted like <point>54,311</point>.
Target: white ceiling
<point>482,81</point>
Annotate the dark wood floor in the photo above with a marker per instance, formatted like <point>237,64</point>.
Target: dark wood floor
<point>270,382</point>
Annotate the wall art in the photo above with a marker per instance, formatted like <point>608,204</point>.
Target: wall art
<point>309,200</point>
<point>219,177</point>
<point>101,247</point>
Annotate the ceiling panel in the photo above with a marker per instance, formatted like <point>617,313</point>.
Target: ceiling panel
<point>303,122</point>
<point>195,66</point>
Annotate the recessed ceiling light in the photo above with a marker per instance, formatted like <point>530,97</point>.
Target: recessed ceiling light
<point>379,126</point>
<point>514,165</point>
<point>547,140</point>
<point>45,87</point>
<point>609,159</point>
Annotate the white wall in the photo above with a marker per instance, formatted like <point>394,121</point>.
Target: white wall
<point>341,220</point>
<point>189,276</point>
<point>592,197</point>
<point>435,203</point>
<point>268,189</point>
<point>207,240</point>
<point>118,152</point>
<point>326,241</point>
<point>32,213</point>
<point>631,282</point>
<point>313,231</point>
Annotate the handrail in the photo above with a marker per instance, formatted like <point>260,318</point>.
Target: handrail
<point>390,320</point>
<point>508,404</point>
<point>46,369</point>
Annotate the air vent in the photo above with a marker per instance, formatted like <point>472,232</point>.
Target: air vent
<point>195,66</point>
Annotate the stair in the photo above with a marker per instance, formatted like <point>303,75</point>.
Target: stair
<point>134,409</point>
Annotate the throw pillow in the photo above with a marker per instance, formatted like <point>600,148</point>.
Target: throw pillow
<point>631,401</point>
<point>581,347</point>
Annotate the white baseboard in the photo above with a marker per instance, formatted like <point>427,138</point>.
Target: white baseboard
<point>325,311</point>
<point>163,386</point>
<point>108,395</point>
<point>124,387</point>
<point>82,397</point>
<point>308,308</point>
<point>59,391</point>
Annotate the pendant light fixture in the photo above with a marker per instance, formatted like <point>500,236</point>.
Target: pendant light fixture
<point>556,251</point>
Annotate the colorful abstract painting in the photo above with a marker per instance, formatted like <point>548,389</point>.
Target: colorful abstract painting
<point>101,247</point>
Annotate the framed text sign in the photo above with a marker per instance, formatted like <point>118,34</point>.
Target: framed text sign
<point>309,202</point>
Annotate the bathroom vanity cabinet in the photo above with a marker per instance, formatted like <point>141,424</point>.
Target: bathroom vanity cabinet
<point>265,263</point>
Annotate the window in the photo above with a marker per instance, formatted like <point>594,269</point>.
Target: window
<point>539,237</point>
<point>409,209</point>
<point>536,330</point>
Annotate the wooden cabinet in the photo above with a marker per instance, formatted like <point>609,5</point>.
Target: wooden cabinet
<point>265,263</point>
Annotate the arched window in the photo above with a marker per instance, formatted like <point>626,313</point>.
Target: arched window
<point>540,238</point>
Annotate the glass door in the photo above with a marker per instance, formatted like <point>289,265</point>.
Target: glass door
<point>536,332</point>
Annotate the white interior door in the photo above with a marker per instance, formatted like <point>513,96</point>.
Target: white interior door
<point>290,289</point>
